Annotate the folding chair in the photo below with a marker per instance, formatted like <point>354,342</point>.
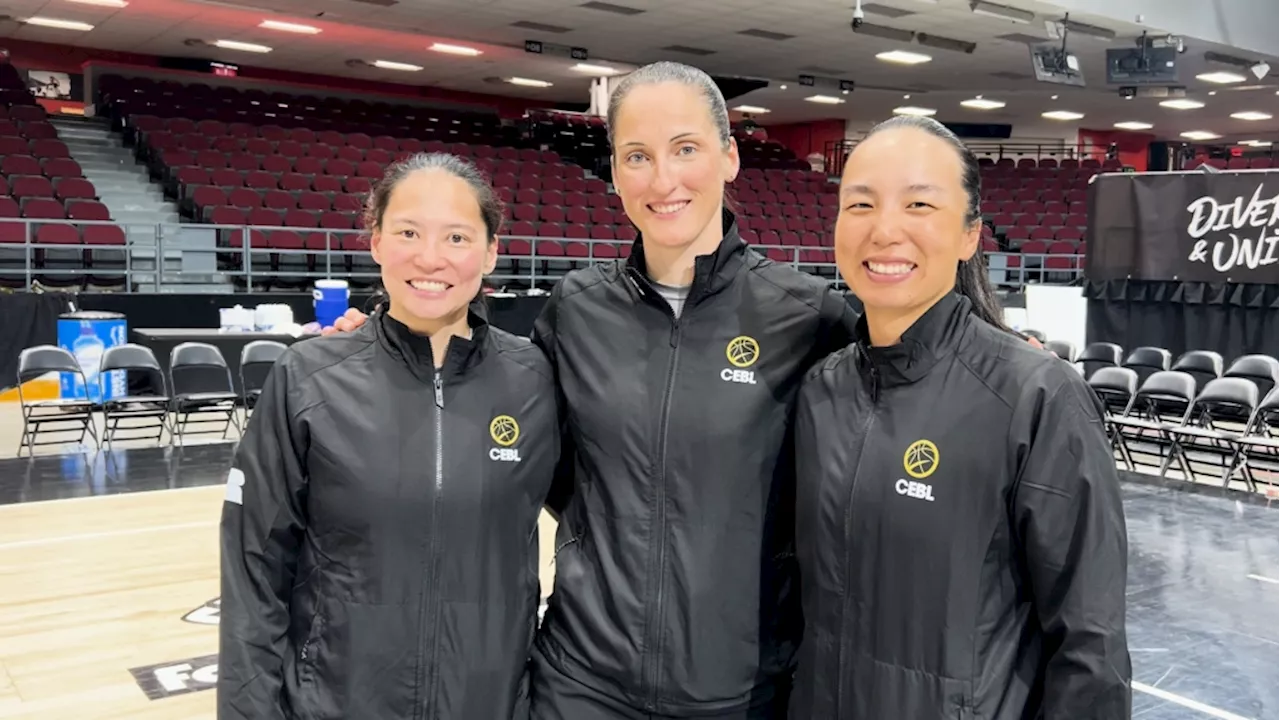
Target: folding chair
<point>1064,349</point>
<point>1261,370</point>
<point>256,360</point>
<point>1115,387</point>
<point>1147,360</point>
<point>1203,365</point>
<point>200,384</point>
<point>146,415</point>
<point>36,414</point>
<point>1164,399</point>
<point>1099,355</point>
<point>1259,446</point>
<point>1204,435</point>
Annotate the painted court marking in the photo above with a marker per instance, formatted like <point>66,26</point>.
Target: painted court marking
<point>1187,702</point>
<point>1264,579</point>
<point>109,533</point>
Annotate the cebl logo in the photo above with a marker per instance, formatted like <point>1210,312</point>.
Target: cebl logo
<point>920,461</point>
<point>742,352</point>
<point>505,431</point>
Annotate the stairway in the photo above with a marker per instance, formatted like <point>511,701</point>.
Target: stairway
<point>136,204</point>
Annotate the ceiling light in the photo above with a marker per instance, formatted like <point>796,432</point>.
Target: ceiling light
<point>284,26</point>
<point>526,82</point>
<point>751,109</point>
<point>1182,104</point>
<point>60,24</point>
<point>103,3</point>
<point>592,69</point>
<point>1002,12</point>
<point>1251,115</point>
<point>1200,135</point>
<point>1222,78</point>
<point>236,45</point>
<point>982,104</point>
<point>916,111</point>
<point>1256,143</point>
<point>455,49</point>
<point>1062,115</point>
<point>391,65</point>
<point>1134,125</point>
<point>903,57</point>
<point>825,99</point>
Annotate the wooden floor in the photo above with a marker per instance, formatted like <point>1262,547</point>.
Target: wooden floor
<point>94,588</point>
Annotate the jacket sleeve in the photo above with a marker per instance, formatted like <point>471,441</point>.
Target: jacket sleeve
<point>262,529</point>
<point>1068,516</point>
<point>837,323</point>
<point>544,336</point>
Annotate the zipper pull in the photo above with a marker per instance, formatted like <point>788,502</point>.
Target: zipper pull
<point>439,391</point>
<point>675,333</point>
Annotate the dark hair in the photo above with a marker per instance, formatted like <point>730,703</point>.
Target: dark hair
<point>491,206</point>
<point>971,275</point>
<point>663,72</point>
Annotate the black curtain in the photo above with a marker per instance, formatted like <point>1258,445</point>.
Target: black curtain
<point>26,320</point>
<point>1233,319</point>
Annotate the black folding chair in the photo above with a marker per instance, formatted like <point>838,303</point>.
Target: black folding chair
<point>1146,361</point>
<point>1164,399</point>
<point>1115,387</point>
<point>145,417</point>
<point>256,360</point>
<point>203,394</point>
<point>1206,437</point>
<point>1064,349</point>
<point>1261,370</point>
<point>1099,355</point>
<point>62,416</point>
<point>1203,365</point>
<point>1259,446</point>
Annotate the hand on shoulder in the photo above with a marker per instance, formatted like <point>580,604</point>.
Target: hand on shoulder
<point>349,322</point>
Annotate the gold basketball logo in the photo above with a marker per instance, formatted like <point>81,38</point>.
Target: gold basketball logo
<point>742,351</point>
<point>504,430</point>
<point>921,459</point>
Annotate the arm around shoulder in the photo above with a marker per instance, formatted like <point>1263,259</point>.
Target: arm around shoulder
<point>1068,515</point>
<point>545,337</point>
<point>263,521</point>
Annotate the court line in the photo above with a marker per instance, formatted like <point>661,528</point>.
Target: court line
<point>111,533</point>
<point>1264,579</point>
<point>116,496</point>
<point>1187,702</point>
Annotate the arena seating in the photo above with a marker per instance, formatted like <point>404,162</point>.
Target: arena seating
<point>286,173</point>
<point>40,181</point>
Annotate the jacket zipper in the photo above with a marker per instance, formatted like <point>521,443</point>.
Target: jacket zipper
<point>660,525</point>
<point>843,655</point>
<point>431,602</point>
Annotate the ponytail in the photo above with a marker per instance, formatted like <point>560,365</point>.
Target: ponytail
<point>973,282</point>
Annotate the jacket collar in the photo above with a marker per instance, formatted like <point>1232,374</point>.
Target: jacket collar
<point>414,350</point>
<point>931,338</point>
<point>711,273</point>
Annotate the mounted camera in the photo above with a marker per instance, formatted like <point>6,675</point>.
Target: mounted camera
<point>858,15</point>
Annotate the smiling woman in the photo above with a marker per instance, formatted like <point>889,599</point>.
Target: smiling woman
<point>434,223</point>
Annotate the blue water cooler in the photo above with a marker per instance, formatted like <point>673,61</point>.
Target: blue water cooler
<point>332,298</point>
<point>87,335</point>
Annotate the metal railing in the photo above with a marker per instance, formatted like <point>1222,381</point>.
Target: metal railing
<point>178,258</point>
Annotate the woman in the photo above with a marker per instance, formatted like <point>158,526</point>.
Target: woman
<point>675,590</point>
<point>379,545</point>
<point>959,527</point>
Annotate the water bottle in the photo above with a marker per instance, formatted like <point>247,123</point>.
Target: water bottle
<point>88,349</point>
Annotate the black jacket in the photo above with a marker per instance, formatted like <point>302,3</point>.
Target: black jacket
<point>379,543</point>
<point>960,533</point>
<point>675,570</point>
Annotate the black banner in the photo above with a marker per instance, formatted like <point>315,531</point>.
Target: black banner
<point>1216,227</point>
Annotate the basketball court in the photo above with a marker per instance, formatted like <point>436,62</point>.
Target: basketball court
<point>109,567</point>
